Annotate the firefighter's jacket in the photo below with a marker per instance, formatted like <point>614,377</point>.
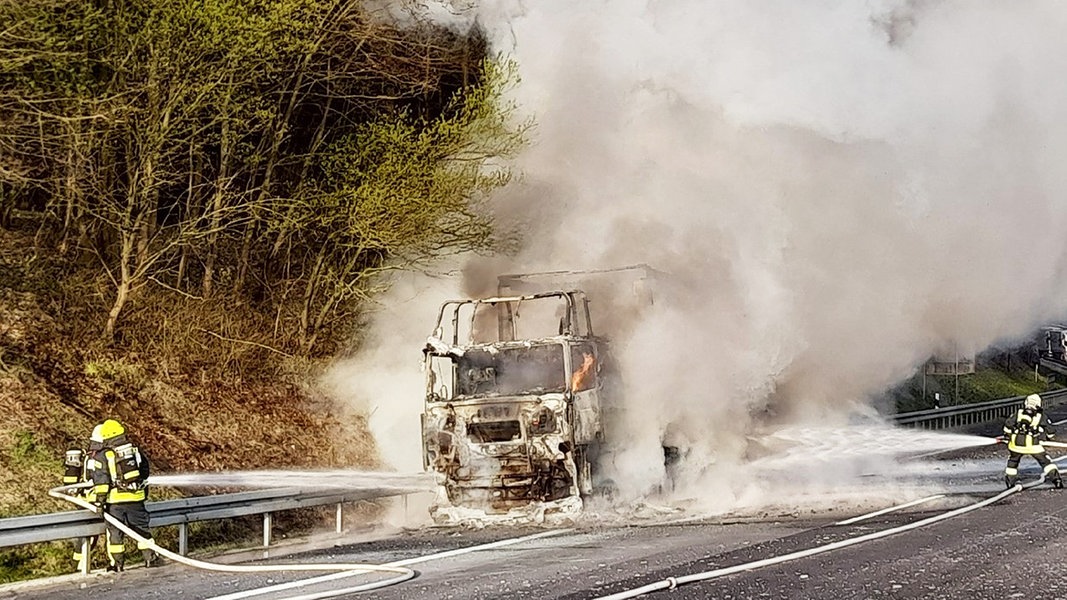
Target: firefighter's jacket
<point>1025,430</point>
<point>120,472</point>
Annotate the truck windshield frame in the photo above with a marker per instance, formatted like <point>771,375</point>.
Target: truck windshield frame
<point>507,370</point>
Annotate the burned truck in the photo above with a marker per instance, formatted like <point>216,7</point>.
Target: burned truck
<point>515,395</point>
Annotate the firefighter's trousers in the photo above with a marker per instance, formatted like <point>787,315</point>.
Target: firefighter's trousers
<point>133,515</point>
<point>1049,468</point>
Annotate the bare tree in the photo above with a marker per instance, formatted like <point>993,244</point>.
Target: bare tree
<point>293,147</point>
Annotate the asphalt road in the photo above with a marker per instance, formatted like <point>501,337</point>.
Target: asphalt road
<point>1016,548</point>
<point>1012,549</point>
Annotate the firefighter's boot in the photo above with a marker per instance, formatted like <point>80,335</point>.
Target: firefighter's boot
<point>1057,481</point>
<point>151,559</point>
<point>117,563</point>
<point>1010,481</point>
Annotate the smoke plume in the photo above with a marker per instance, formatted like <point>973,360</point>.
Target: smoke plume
<point>835,191</point>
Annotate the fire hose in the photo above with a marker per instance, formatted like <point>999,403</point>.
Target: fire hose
<point>1050,444</point>
<point>671,583</point>
<point>403,573</point>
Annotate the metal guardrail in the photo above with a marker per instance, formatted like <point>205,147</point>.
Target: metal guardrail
<point>17,531</point>
<point>949,417</point>
<point>1053,365</point>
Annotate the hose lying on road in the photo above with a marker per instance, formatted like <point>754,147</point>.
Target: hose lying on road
<point>886,511</point>
<point>403,573</point>
<point>404,562</point>
<point>673,582</point>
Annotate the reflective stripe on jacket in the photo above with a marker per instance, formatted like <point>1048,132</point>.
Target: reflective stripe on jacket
<point>81,473</point>
<point>106,480</point>
<point>1025,431</point>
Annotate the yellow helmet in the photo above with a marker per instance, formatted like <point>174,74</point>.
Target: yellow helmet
<point>109,429</point>
<point>1033,401</point>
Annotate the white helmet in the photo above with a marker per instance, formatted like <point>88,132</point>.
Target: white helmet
<point>1032,401</point>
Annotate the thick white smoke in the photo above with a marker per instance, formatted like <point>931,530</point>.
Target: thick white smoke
<point>838,188</point>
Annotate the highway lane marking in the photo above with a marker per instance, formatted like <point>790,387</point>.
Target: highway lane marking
<point>399,563</point>
<point>673,582</point>
<point>889,510</point>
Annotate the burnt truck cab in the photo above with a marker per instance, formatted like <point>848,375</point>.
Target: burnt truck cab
<point>513,418</point>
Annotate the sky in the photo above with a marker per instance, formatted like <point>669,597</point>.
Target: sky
<point>833,190</point>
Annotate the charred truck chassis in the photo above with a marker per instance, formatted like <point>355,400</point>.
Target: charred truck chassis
<point>512,424</point>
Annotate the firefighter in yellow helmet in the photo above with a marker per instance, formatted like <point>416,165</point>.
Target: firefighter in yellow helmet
<point>120,482</point>
<point>1024,431</point>
<point>78,465</point>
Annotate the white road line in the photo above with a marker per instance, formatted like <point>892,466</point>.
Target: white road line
<point>888,510</point>
<point>673,582</point>
<point>399,563</point>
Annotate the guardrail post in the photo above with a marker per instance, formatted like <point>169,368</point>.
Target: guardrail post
<point>266,529</point>
<point>183,539</point>
<point>87,557</point>
<point>338,517</point>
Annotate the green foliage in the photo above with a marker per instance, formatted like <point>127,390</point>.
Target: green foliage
<point>116,375</point>
<point>214,184</point>
<point>280,152</point>
<point>35,463</point>
<point>408,188</point>
<point>991,382</point>
<point>37,560</point>
<point>26,451</point>
<point>397,191</point>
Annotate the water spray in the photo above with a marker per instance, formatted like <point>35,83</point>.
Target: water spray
<point>340,479</point>
<point>1054,444</point>
<point>1051,444</point>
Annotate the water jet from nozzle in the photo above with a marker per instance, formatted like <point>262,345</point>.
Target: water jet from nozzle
<point>334,479</point>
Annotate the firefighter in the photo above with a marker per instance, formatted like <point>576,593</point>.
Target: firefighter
<point>120,482</point>
<point>76,469</point>
<point>1024,431</point>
